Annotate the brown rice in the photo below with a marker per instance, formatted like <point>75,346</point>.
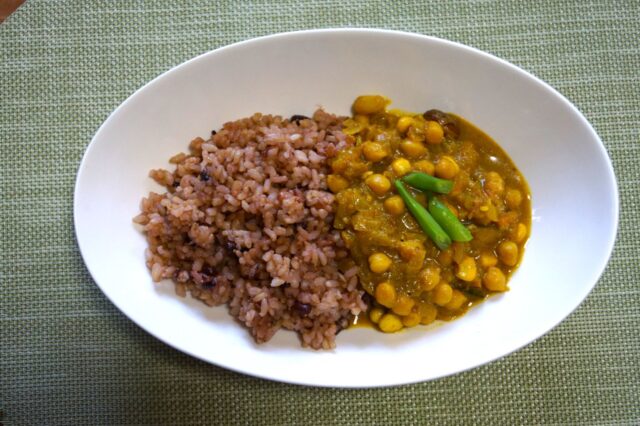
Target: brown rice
<point>247,221</point>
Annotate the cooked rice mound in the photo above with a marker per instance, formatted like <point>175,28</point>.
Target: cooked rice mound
<point>247,220</point>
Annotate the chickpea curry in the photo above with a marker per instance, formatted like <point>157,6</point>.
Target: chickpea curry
<point>433,211</point>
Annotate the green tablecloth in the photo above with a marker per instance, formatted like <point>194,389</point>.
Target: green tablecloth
<point>68,356</point>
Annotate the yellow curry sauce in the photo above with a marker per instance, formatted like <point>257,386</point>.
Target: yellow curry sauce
<point>412,280</point>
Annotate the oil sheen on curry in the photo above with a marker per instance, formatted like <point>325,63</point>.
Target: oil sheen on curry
<point>433,211</point>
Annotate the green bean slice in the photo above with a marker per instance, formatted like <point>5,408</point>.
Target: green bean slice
<point>448,221</point>
<point>424,219</point>
<point>425,182</point>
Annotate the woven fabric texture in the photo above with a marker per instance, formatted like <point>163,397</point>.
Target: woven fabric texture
<point>68,356</point>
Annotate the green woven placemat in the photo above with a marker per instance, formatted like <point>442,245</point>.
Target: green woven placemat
<point>69,357</point>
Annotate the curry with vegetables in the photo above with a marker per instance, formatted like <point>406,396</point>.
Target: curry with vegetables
<point>432,210</point>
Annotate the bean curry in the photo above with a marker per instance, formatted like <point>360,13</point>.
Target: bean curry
<point>434,212</point>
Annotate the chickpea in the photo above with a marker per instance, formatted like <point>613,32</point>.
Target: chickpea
<point>442,294</point>
<point>375,314</point>
<point>390,323</point>
<point>378,183</point>
<point>429,277</point>
<point>428,314</point>
<point>494,184</point>
<point>340,165</point>
<point>425,166</point>
<point>394,205</point>
<point>513,198</point>
<point>412,251</point>
<point>403,124</point>
<point>520,233</point>
<point>374,151</point>
<point>508,253</point>
<point>494,279</point>
<point>361,119</point>
<point>488,259</point>
<point>369,104</point>
<point>411,319</point>
<point>467,269</point>
<point>379,263</point>
<point>446,168</point>
<point>413,149</point>
<point>401,166</point>
<point>433,132</point>
<point>337,183</point>
<point>385,294</point>
<point>403,305</point>
<point>457,300</point>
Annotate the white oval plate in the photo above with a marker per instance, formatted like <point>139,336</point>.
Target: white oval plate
<point>575,198</point>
